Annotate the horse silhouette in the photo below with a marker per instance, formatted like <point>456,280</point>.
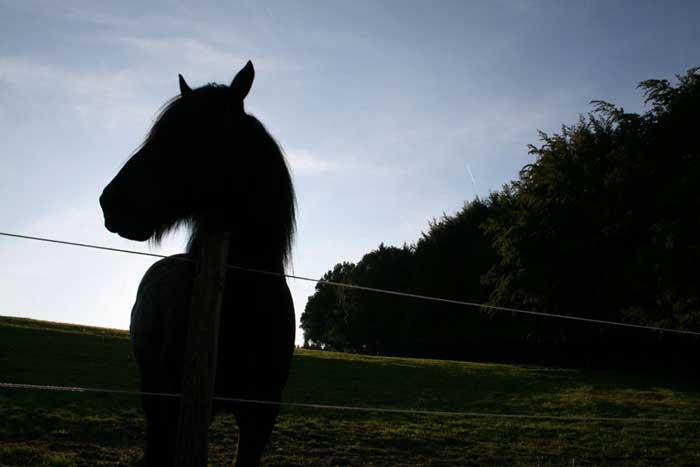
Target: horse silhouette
<point>208,165</point>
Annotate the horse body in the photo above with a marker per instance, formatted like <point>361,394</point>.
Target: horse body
<point>225,173</point>
<point>253,357</point>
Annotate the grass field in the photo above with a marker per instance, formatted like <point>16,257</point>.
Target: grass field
<point>52,428</point>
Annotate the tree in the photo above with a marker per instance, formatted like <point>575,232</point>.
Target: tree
<point>604,224</point>
<point>323,320</point>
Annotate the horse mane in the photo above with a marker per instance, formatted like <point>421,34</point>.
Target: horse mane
<point>262,212</point>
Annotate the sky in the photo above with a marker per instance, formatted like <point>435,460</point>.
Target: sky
<point>391,113</point>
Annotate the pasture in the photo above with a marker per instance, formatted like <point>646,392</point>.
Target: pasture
<point>60,428</point>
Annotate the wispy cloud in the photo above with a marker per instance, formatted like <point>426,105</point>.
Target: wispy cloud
<point>62,283</point>
<point>109,98</point>
<point>305,163</point>
<point>186,51</point>
<point>206,54</point>
<point>79,11</point>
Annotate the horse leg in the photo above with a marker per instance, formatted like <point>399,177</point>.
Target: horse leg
<point>254,429</point>
<point>161,429</point>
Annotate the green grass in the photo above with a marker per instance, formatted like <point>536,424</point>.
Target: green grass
<point>60,429</point>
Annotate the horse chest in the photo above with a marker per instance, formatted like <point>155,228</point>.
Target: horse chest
<point>256,326</point>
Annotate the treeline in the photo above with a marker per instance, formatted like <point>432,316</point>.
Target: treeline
<point>604,224</point>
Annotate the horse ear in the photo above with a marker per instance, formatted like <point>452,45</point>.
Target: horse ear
<point>184,88</point>
<point>241,84</point>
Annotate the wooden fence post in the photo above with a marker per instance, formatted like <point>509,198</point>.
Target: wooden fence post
<point>199,370</point>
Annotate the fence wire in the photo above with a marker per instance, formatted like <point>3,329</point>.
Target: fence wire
<point>563,418</point>
<point>483,306</point>
<point>439,413</point>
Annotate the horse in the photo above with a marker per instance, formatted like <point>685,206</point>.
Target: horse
<point>209,166</point>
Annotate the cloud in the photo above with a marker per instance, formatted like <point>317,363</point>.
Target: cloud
<point>211,54</point>
<point>85,286</point>
<point>305,163</point>
<point>72,284</point>
<point>79,11</point>
<point>110,98</point>
<point>188,52</point>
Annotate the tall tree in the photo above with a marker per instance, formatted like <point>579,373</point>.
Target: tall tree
<point>604,223</point>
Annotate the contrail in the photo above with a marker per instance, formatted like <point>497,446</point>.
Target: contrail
<point>476,190</point>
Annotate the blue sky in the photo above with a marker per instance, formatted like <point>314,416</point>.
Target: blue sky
<point>382,108</point>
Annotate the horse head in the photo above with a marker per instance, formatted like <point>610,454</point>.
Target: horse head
<point>195,157</point>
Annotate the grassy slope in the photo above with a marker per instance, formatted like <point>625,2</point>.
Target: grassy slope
<point>47,428</point>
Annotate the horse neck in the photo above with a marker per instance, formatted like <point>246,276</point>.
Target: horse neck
<point>246,249</point>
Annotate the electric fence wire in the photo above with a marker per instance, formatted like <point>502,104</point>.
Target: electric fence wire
<point>77,389</point>
<point>440,413</point>
<point>368,289</point>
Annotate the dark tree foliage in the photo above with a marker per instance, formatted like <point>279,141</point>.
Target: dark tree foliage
<point>448,261</point>
<point>324,318</point>
<point>603,224</point>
